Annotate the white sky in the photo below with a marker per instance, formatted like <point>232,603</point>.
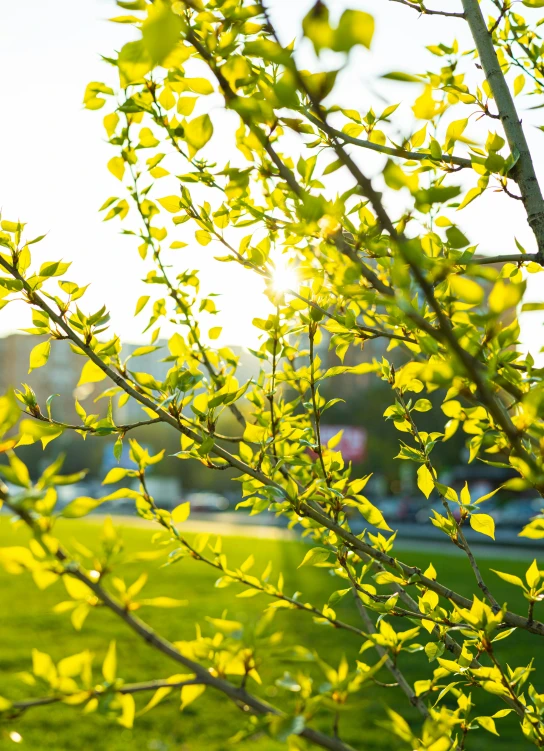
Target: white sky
<point>53,154</point>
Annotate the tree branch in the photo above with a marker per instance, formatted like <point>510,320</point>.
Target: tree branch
<point>89,429</point>
<point>507,258</point>
<point>403,153</point>
<point>523,171</point>
<point>412,572</point>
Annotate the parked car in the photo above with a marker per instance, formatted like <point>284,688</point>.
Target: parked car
<point>518,512</point>
<point>211,502</point>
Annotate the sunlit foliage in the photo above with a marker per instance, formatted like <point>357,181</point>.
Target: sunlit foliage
<point>343,260</point>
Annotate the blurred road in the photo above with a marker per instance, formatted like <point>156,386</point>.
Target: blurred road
<point>410,536</point>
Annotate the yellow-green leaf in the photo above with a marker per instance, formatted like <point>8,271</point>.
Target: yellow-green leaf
<point>39,355</point>
<point>186,105</point>
<point>181,512</point>
<point>32,431</point>
<point>109,666</point>
<point>532,575</point>
<point>510,578</point>
<point>140,305</point>
<point>203,237</point>
<point>163,602</point>
<point>484,524</point>
<point>4,704</point>
<point>42,666</point>
<point>488,724</point>
<point>160,32</point>
<point>114,475</point>
<point>505,295</point>
<point>371,513</point>
<point>80,507</point>
<point>116,166</point>
<point>198,132</point>
<point>128,710</point>
<point>466,290</point>
<point>190,693</point>
<point>91,373</point>
<point>519,83</point>
<point>425,481</point>
<point>110,123</point>
<point>355,27</point>
<point>315,556</point>
<point>147,139</point>
<point>171,203</point>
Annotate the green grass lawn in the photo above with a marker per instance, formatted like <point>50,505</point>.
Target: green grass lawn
<point>27,620</point>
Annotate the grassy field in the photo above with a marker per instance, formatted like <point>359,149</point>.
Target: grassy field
<point>27,620</point>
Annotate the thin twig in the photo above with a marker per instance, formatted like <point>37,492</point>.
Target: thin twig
<point>416,701</point>
<point>427,11</point>
<point>127,688</point>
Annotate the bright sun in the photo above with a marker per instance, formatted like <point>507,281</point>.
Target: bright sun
<point>284,277</point>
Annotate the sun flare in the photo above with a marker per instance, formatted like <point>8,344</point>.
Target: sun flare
<point>284,277</point>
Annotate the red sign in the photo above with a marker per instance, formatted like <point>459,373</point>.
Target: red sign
<point>352,444</point>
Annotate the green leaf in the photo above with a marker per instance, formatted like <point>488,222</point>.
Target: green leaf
<point>32,431</point>
<point>91,373</point>
<point>315,556</point>
<point>355,27</point>
<point>397,75</point>
<point>161,32</point>
<point>282,728</point>
<point>484,524</point>
<point>317,28</point>
<point>39,355</point>
<point>134,61</point>
<point>198,132</point>
<point>118,448</point>
<point>80,507</point>
<point>422,405</point>
<point>466,290</point>
<point>510,578</point>
<point>488,724</point>
<point>505,295</point>
<point>457,240</point>
<point>371,513</point>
